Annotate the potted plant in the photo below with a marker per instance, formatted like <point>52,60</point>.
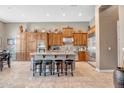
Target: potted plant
<point>118,77</point>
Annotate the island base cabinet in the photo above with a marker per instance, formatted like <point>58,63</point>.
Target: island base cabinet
<point>82,56</point>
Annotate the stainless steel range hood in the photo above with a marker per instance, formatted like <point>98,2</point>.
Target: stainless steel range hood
<point>68,40</point>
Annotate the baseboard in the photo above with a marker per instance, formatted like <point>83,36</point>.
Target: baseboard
<point>105,70</point>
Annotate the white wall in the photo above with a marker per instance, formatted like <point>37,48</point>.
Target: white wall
<point>121,22</point>
<point>11,29</point>
<point>97,34</point>
<point>2,32</point>
<point>59,25</point>
<point>92,22</point>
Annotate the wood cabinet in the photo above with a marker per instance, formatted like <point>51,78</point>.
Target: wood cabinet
<point>68,32</point>
<point>31,42</point>
<point>80,39</point>
<point>21,56</point>
<point>82,56</point>
<point>26,43</point>
<point>85,39</point>
<point>21,46</point>
<point>55,39</point>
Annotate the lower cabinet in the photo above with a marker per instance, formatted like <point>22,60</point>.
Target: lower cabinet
<point>21,56</point>
<point>82,56</point>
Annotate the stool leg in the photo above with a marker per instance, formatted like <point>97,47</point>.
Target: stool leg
<point>1,66</point>
<point>53,68</point>
<point>58,69</point>
<point>33,69</point>
<point>8,62</point>
<point>62,68</point>
<point>72,69</point>
<point>40,69</point>
<point>66,69</point>
<point>44,69</point>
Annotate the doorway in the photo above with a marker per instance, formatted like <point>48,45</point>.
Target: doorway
<point>106,38</point>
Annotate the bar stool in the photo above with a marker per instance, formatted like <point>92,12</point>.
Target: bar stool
<point>4,59</point>
<point>37,61</point>
<point>1,63</point>
<point>47,61</point>
<point>69,62</point>
<point>58,62</point>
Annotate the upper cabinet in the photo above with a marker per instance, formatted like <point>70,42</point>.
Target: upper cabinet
<point>84,37</point>
<point>33,38</point>
<point>55,39</point>
<point>21,41</point>
<point>80,39</point>
<point>27,42</point>
<point>68,32</point>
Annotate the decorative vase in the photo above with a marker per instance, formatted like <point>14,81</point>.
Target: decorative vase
<point>21,28</point>
<point>118,78</point>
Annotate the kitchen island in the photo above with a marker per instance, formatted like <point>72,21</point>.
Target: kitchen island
<point>58,60</point>
<point>55,53</point>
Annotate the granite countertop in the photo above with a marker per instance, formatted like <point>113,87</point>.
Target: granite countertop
<point>53,53</point>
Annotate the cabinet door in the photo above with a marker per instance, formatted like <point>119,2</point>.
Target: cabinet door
<point>60,39</point>
<point>82,56</point>
<point>18,42</point>
<point>75,39</point>
<point>23,41</point>
<point>39,36</point>
<point>50,39</point>
<point>29,39</point>
<point>81,39</point>
<point>78,39</point>
<point>85,39</point>
<point>18,56</point>
<point>67,32</point>
<point>55,39</point>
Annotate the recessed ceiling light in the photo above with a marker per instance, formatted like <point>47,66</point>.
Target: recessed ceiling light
<point>23,15</point>
<point>80,14</point>
<point>63,14</point>
<point>47,14</point>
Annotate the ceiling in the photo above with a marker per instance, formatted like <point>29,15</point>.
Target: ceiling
<point>46,13</point>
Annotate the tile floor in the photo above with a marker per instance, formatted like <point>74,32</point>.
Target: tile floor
<point>85,76</point>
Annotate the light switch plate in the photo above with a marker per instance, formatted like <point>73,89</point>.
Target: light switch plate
<point>109,48</point>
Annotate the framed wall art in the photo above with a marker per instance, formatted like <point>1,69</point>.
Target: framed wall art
<point>11,41</point>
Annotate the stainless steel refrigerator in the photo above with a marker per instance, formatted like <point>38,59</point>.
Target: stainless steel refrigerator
<point>92,47</point>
